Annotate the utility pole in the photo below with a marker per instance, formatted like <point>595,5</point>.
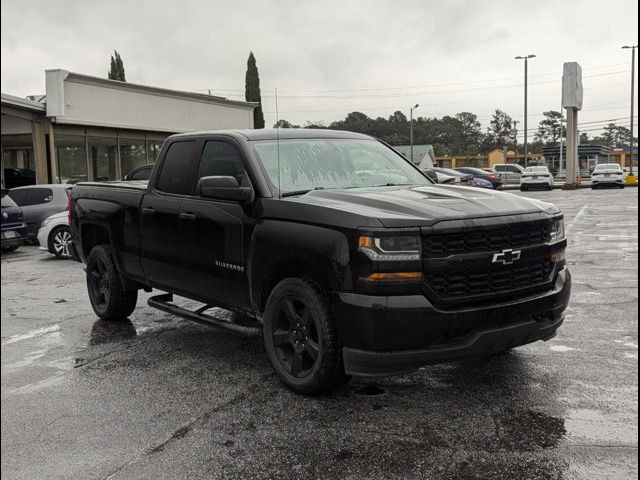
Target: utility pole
<point>633,81</point>
<point>515,145</point>
<point>560,159</point>
<point>526,65</point>
<point>411,128</point>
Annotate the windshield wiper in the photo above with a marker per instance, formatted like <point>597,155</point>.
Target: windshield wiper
<point>299,192</point>
<point>391,184</point>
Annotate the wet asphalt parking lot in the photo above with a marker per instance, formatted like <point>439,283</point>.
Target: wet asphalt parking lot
<point>160,397</point>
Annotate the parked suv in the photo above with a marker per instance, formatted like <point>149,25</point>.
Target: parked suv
<point>348,258</point>
<point>511,172</point>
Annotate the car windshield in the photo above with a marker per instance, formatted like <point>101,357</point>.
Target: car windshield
<point>608,166</point>
<point>299,165</point>
<point>536,170</point>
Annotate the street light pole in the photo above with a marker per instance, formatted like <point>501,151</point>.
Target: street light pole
<point>526,65</point>
<point>411,127</point>
<point>633,81</point>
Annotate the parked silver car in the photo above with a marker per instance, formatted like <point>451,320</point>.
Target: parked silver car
<point>38,202</point>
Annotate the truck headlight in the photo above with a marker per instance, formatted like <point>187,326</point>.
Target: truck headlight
<point>557,230</point>
<point>397,248</point>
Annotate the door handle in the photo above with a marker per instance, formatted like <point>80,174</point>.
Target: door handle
<point>148,210</point>
<point>187,216</point>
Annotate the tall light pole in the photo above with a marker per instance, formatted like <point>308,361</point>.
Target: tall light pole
<point>526,64</point>
<point>633,86</point>
<point>411,127</point>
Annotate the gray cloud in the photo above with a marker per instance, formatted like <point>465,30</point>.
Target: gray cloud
<point>458,55</point>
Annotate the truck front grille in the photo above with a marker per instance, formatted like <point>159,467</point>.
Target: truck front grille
<point>497,279</point>
<point>515,235</point>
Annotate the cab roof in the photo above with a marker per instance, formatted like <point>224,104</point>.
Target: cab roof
<point>282,134</point>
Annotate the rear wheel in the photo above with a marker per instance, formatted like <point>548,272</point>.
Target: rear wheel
<point>107,295</point>
<point>10,248</point>
<point>523,188</point>
<point>60,242</point>
<point>301,339</point>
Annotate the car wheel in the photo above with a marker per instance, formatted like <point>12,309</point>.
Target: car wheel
<point>106,292</point>
<point>301,339</point>
<point>11,248</point>
<point>60,242</point>
<point>523,188</point>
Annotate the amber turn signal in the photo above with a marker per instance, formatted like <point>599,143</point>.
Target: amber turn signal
<point>393,277</point>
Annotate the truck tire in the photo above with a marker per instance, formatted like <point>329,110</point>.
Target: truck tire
<point>107,295</point>
<point>301,339</point>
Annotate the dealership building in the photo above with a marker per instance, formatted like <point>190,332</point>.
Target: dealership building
<point>91,128</point>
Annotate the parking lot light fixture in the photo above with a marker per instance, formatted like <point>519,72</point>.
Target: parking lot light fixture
<point>633,81</point>
<point>411,127</point>
<point>526,64</point>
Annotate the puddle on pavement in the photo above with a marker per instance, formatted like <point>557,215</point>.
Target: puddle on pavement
<point>103,331</point>
<point>370,391</point>
<point>528,430</point>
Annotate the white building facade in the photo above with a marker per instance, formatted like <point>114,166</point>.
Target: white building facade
<point>91,128</point>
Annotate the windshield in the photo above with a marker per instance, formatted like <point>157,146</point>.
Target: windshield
<point>307,164</point>
<point>536,169</point>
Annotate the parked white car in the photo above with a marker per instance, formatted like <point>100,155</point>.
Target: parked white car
<point>536,177</point>
<point>54,235</point>
<point>610,174</point>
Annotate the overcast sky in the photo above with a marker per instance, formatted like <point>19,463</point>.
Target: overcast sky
<point>328,58</point>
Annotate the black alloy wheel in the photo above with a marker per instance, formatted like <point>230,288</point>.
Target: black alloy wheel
<point>301,339</point>
<point>98,282</point>
<point>109,299</point>
<point>295,337</point>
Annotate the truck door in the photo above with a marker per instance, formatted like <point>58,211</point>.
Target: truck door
<point>215,233</point>
<point>160,212</point>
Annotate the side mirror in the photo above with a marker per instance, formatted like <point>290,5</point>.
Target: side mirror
<point>225,188</point>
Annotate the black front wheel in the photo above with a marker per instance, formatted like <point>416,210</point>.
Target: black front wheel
<point>300,337</point>
<point>106,292</point>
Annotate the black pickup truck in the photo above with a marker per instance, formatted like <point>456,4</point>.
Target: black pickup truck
<point>341,253</point>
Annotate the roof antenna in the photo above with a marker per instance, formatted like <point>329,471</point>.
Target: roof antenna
<point>278,143</point>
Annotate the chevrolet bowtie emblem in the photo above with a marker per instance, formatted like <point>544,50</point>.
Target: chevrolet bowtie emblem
<point>507,257</point>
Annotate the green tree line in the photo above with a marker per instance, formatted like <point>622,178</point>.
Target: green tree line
<point>462,134</point>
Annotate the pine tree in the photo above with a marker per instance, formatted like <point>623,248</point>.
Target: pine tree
<point>116,70</point>
<point>252,91</point>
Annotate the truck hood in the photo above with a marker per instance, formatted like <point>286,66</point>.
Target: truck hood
<point>423,205</point>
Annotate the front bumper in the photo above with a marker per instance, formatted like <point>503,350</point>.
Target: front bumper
<point>43,238</point>
<point>394,335</point>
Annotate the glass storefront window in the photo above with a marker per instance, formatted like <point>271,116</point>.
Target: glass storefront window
<point>153,149</point>
<point>132,154</point>
<point>72,158</point>
<point>103,157</point>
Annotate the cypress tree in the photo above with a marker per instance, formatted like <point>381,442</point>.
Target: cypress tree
<point>116,70</point>
<point>252,91</point>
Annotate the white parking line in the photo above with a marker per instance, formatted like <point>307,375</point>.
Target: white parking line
<point>32,334</point>
<point>576,218</point>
